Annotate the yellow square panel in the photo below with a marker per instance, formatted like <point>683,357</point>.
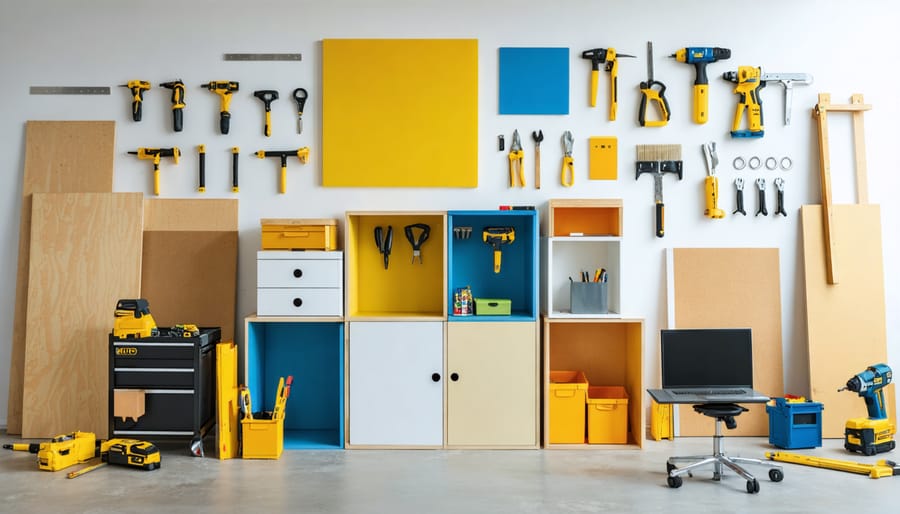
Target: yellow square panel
<point>400,113</point>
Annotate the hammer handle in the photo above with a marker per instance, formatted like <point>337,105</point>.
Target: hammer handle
<point>202,186</point>
<point>224,121</point>
<point>537,167</point>
<point>660,219</point>
<point>234,169</point>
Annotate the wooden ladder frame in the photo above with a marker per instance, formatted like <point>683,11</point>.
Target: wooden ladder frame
<point>820,113</point>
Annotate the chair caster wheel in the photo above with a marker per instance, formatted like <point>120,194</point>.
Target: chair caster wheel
<point>674,482</point>
<point>752,486</point>
<point>776,475</point>
<point>670,467</point>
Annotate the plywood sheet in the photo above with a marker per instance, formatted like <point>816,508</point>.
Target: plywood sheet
<point>60,157</point>
<point>85,256</point>
<point>407,110</point>
<point>189,270</point>
<point>845,322</point>
<point>732,288</point>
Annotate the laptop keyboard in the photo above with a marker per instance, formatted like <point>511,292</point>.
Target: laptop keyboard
<point>712,392</point>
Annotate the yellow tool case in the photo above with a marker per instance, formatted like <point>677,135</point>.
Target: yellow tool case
<point>299,234</point>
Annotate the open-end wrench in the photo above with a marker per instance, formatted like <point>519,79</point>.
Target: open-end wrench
<point>739,194</point>
<point>779,205</point>
<point>538,137</point>
<point>761,186</point>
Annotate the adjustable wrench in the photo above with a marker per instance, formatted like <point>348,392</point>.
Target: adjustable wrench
<point>761,186</point>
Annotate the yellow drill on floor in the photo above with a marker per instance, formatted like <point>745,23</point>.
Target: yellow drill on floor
<point>62,451</point>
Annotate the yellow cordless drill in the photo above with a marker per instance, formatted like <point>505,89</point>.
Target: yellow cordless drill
<point>223,88</point>
<point>62,451</point>
<point>137,88</point>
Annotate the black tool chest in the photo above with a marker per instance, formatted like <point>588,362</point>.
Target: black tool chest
<point>177,377</point>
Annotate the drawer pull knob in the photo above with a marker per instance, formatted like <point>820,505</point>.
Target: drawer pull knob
<point>454,376</point>
<point>298,302</point>
<point>298,273</point>
<point>435,377</point>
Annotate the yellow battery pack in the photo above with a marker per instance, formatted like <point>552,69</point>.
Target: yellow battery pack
<point>604,158</point>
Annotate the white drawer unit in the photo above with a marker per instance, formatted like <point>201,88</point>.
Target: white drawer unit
<point>309,283</point>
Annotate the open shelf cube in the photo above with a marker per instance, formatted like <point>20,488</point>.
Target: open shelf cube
<point>471,262</point>
<point>565,258</point>
<point>405,289</point>
<point>593,217</point>
<point>609,352</point>
<point>313,352</point>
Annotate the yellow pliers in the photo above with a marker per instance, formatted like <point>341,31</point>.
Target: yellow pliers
<point>516,157</point>
<point>567,175</point>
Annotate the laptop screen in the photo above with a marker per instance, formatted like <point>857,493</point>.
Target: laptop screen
<point>718,357</point>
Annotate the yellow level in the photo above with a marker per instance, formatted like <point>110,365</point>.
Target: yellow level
<point>882,468</point>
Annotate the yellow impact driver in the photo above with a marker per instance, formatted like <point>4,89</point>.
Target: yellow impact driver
<point>700,56</point>
<point>223,88</point>
<point>137,88</point>
<point>156,154</point>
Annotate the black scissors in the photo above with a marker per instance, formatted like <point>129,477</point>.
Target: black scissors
<point>384,242</point>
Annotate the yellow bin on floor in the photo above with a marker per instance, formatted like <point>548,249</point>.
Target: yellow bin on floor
<point>568,390</point>
<point>607,415</point>
<point>262,438</point>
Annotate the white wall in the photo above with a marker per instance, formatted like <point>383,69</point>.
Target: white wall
<point>847,49</point>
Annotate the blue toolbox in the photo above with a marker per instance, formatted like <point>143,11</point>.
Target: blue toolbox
<point>795,423</point>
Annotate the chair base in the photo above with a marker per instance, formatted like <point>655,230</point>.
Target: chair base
<point>720,462</point>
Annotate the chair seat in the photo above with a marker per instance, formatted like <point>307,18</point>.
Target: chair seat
<point>720,410</point>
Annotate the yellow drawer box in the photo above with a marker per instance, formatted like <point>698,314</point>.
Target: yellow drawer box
<point>299,234</point>
<point>568,394</point>
<point>607,415</point>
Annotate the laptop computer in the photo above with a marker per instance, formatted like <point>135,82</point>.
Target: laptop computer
<point>713,365</point>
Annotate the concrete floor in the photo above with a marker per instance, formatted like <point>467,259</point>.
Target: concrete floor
<point>437,481</point>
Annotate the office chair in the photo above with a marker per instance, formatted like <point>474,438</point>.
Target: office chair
<point>724,413</point>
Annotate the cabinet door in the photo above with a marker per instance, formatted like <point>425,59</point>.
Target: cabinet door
<point>492,389</point>
<point>396,383</point>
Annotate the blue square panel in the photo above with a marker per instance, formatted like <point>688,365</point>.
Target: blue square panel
<point>534,81</point>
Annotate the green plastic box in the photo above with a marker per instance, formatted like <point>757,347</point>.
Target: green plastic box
<point>492,306</point>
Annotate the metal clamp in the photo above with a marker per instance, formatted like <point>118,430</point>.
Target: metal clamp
<point>739,163</point>
<point>771,163</point>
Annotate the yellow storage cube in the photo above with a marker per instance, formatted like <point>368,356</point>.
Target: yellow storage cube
<point>568,390</point>
<point>299,234</point>
<point>262,438</point>
<point>607,417</point>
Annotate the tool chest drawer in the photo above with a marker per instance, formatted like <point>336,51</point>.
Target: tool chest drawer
<point>133,354</point>
<point>299,302</point>
<point>165,411</point>
<point>299,272</point>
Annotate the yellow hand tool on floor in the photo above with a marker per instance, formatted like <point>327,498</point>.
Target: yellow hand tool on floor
<point>516,158</point>
<point>567,175</point>
<point>882,468</point>
<point>62,451</point>
<point>124,452</point>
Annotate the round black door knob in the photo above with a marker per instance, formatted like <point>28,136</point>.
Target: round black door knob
<point>298,302</point>
<point>435,377</point>
<point>298,273</point>
<point>454,376</point>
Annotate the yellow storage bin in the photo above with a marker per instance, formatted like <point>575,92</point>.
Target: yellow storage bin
<point>607,415</point>
<point>568,390</point>
<point>299,234</point>
<point>662,424</point>
<point>262,438</point>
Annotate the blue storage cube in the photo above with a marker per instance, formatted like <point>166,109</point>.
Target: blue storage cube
<point>795,424</point>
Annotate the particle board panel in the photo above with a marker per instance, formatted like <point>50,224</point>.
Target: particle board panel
<point>60,157</point>
<point>845,322</point>
<point>189,270</point>
<point>732,288</point>
<point>85,256</point>
<point>427,94</point>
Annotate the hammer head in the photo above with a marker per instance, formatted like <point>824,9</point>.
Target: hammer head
<point>596,55</point>
<point>266,95</point>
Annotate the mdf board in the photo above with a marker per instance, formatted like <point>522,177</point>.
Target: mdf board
<point>400,113</point>
<point>493,400</point>
<point>85,256</point>
<point>731,288</point>
<point>189,264</point>
<point>60,157</point>
<point>845,322</point>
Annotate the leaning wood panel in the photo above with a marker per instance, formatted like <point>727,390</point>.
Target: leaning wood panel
<point>189,270</point>
<point>845,322</point>
<point>733,288</point>
<point>85,255</point>
<point>60,157</point>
